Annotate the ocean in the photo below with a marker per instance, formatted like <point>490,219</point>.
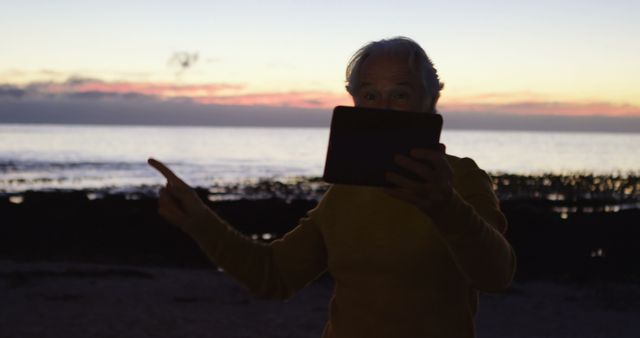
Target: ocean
<point>68,157</point>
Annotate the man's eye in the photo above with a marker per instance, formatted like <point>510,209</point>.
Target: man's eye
<point>369,96</point>
<point>400,96</point>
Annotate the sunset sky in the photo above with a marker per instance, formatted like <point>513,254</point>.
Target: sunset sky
<point>564,57</point>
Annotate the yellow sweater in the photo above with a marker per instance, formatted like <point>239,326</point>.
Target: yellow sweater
<point>396,274</point>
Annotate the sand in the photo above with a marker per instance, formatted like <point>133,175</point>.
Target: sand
<point>65,299</point>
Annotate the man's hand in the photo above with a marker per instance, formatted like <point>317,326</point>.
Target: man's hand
<point>434,187</point>
<point>178,203</point>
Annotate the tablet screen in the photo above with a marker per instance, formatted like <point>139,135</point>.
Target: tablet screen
<point>364,141</point>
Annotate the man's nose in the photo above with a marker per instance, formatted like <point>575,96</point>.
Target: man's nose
<point>385,102</point>
<point>388,103</point>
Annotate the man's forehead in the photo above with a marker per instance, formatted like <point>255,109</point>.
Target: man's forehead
<point>401,75</point>
<point>386,63</point>
<point>402,83</point>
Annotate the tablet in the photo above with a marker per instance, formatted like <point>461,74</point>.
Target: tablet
<point>364,141</point>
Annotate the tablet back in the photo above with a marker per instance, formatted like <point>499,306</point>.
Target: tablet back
<point>364,141</point>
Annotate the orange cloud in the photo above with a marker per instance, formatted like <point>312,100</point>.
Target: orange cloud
<point>161,90</point>
<point>211,93</point>
<point>515,103</point>
<point>545,108</point>
<point>534,103</point>
<point>310,99</point>
<point>500,97</point>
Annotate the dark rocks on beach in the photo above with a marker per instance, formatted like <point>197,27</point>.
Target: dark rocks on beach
<point>119,229</point>
<point>574,236</point>
<point>578,247</point>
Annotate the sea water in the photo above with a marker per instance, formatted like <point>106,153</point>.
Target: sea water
<point>45,157</point>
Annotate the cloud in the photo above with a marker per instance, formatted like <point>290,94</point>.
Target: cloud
<point>72,102</point>
<point>545,108</point>
<point>98,95</point>
<point>301,99</point>
<point>84,87</point>
<point>233,94</point>
<point>11,91</point>
<point>206,94</point>
<point>533,103</point>
<point>79,81</point>
<point>93,108</point>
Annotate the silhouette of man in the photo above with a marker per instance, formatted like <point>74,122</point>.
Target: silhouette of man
<point>407,261</point>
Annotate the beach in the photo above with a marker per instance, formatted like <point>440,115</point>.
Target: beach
<point>66,299</point>
<point>94,263</point>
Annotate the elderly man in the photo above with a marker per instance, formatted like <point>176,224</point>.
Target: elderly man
<point>407,261</point>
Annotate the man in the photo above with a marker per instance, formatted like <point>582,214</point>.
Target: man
<point>407,261</point>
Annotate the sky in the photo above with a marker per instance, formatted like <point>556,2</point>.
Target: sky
<point>535,58</point>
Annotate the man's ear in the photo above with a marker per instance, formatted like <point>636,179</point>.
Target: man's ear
<point>353,98</point>
<point>430,103</point>
<point>434,103</point>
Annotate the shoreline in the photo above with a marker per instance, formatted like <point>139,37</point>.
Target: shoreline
<point>573,227</point>
<point>570,188</point>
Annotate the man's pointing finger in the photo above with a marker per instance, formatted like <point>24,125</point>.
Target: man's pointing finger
<point>166,172</point>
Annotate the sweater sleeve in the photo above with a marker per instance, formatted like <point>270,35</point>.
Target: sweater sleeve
<point>273,270</point>
<point>472,226</point>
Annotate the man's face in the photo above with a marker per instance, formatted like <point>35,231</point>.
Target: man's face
<point>387,81</point>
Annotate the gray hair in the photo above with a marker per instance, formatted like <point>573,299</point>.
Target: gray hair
<point>417,59</point>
